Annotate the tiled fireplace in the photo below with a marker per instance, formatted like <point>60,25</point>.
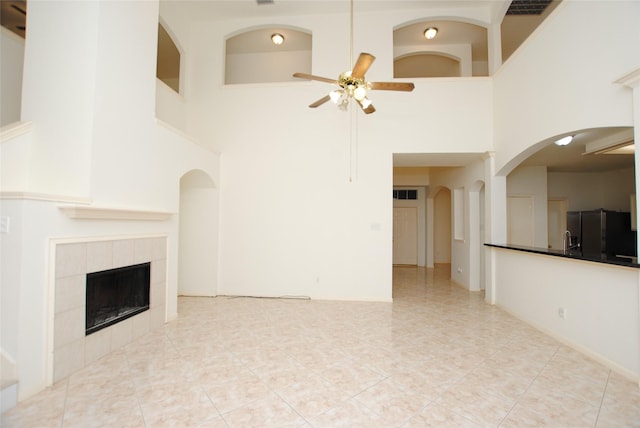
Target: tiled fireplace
<point>71,348</point>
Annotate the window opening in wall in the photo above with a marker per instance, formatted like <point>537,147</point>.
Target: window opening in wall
<point>405,194</point>
<point>168,63</point>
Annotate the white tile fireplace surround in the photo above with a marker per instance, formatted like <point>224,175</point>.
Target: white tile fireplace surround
<point>70,349</point>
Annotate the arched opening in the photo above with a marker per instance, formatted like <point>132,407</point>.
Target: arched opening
<point>253,57</point>
<point>198,235</point>
<point>442,237</point>
<point>595,172</point>
<point>416,56</point>
<point>425,64</point>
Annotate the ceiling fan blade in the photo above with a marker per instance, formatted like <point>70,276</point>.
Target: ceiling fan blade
<point>369,109</point>
<point>320,101</point>
<point>392,86</point>
<point>318,78</point>
<point>362,65</point>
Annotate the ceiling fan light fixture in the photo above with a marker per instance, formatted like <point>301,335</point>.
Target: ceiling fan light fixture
<point>360,93</point>
<point>564,140</point>
<point>277,39</point>
<point>430,32</point>
<point>335,96</point>
<point>365,102</point>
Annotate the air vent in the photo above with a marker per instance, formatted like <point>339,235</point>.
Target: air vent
<point>264,1</point>
<point>527,7</point>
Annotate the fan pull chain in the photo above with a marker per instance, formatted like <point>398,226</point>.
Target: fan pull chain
<point>353,146</point>
<point>351,37</point>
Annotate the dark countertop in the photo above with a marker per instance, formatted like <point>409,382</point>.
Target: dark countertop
<point>619,261</point>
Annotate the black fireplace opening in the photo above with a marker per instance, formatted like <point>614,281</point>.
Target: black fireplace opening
<point>116,294</point>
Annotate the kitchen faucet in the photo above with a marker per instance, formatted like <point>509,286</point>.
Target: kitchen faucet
<point>566,242</point>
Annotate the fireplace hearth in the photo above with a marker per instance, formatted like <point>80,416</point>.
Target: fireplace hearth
<point>116,294</point>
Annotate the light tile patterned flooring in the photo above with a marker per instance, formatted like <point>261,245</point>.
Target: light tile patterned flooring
<point>438,356</point>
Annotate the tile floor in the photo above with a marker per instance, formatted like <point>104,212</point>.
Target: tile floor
<point>438,356</point>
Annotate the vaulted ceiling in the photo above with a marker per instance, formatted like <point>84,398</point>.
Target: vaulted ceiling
<point>518,17</point>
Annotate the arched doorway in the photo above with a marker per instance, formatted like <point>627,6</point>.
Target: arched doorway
<point>442,227</point>
<point>198,235</point>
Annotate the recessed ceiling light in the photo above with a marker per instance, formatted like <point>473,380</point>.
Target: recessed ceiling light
<point>277,39</point>
<point>430,32</point>
<point>564,140</point>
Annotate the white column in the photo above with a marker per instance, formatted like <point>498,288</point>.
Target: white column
<point>632,80</point>
<point>494,47</point>
<point>57,94</point>
<point>495,221</point>
<point>430,230</point>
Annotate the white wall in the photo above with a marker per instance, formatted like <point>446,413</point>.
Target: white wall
<point>410,176</point>
<point>58,95</point>
<point>556,82</point>
<point>589,191</point>
<point>601,303</point>
<point>465,178</point>
<point>460,52</point>
<point>11,59</point>
<point>320,180</point>
<point>442,235</point>
<point>94,140</point>
<point>198,248</point>
<point>170,106</point>
<point>560,79</point>
<point>267,67</point>
<point>532,181</point>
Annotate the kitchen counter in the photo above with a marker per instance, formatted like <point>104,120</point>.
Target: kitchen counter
<point>621,260</point>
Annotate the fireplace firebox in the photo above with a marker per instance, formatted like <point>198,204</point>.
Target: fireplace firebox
<point>116,294</point>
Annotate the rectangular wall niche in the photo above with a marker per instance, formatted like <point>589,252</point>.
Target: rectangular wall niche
<point>116,294</point>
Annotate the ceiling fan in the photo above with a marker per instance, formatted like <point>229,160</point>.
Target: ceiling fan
<point>352,83</point>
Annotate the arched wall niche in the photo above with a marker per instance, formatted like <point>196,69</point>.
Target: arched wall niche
<point>196,178</point>
<point>461,38</point>
<point>198,235</point>
<point>426,64</point>
<point>442,221</point>
<point>252,57</point>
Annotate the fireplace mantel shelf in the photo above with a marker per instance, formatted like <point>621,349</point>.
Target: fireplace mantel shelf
<point>82,212</point>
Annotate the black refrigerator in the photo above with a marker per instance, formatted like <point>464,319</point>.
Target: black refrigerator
<point>605,233</point>
<point>574,226</point>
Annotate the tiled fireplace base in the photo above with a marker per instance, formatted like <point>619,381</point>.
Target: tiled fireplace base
<point>71,349</point>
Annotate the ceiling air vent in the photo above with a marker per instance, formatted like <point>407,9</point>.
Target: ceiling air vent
<point>264,1</point>
<point>527,7</point>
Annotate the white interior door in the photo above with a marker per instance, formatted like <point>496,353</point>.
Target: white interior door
<point>520,220</point>
<point>405,236</point>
